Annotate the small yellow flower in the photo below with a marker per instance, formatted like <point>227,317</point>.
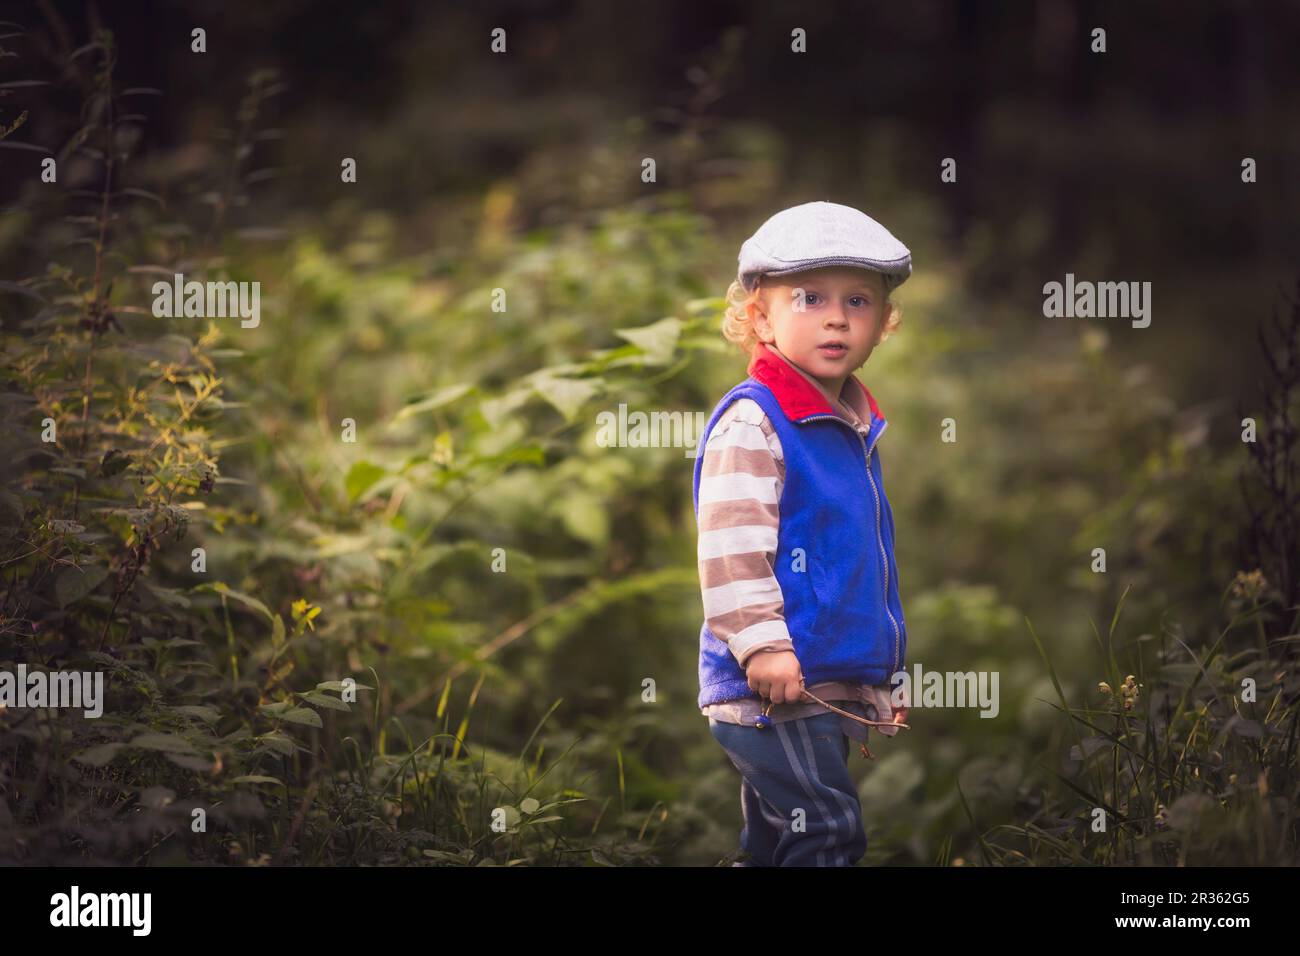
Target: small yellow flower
<point>1249,584</point>
<point>1104,688</point>
<point>305,611</point>
<point>1130,691</point>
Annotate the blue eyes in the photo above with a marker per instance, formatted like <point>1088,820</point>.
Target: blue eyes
<point>810,298</point>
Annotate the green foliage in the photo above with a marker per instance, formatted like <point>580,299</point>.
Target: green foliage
<point>1189,761</point>
<point>378,552</point>
<point>345,673</point>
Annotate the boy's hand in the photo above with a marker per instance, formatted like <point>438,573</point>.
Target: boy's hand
<point>775,674</point>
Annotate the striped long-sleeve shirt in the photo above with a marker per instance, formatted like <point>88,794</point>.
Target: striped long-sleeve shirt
<point>739,517</point>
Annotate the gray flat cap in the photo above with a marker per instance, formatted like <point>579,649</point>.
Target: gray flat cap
<point>818,234</point>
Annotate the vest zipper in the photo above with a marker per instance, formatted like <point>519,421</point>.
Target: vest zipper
<point>879,539</point>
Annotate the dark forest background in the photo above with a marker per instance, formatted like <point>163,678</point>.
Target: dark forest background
<point>500,718</point>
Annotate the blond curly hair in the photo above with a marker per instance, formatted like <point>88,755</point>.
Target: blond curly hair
<point>738,322</point>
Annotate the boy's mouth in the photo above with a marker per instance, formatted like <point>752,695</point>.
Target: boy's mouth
<point>833,349</point>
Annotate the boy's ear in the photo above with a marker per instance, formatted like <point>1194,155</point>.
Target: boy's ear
<point>886,315</point>
<point>758,315</point>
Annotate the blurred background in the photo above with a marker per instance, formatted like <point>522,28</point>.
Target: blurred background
<point>518,604</point>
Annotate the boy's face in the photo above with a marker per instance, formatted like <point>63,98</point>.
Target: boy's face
<point>805,311</point>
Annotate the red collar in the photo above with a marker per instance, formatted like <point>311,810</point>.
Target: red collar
<point>797,397</point>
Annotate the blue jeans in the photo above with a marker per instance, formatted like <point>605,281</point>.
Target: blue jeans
<point>800,804</point>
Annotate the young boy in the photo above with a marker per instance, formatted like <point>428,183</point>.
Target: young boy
<point>796,537</point>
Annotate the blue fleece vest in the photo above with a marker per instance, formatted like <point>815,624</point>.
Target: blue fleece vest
<point>835,551</point>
